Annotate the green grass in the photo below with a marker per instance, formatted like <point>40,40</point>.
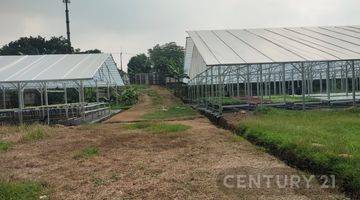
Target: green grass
<point>290,98</point>
<point>20,190</point>
<point>34,133</point>
<point>175,111</point>
<point>87,153</point>
<point>326,141</point>
<point>227,101</point>
<point>4,146</point>
<point>158,128</point>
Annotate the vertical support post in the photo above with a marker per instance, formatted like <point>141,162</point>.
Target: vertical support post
<point>275,88</point>
<point>206,96</point>
<point>20,99</point>
<point>66,101</point>
<point>97,91</point>
<point>82,99</point>
<point>221,89</point>
<point>212,82</point>
<point>283,82</point>
<point>238,82</point>
<point>292,83</point>
<point>353,83</point>
<point>347,79</point>
<point>321,83</point>
<point>248,79</point>
<point>4,97</point>
<point>328,80</point>
<point>303,84</point>
<point>47,103</point>
<point>261,86</point>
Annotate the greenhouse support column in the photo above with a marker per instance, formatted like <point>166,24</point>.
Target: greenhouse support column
<point>212,82</point>
<point>20,99</point>
<point>292,83</point>
<point>248,79</point>
<point>275,89</point>
<point>108,92</point>
<point>82,100</point>
<point>328,80</point>
<point>97,91</point>
<point>66,101</point>
<point>347,80</point>
<point>283,82</point>
<point>303,85</point>
<point>221,90</point>
<point>238,82</point>
<point>4,97</point>
<point>321,86</point>
<point>41,91</point>
<point>206,89</point>
<point>353,82</point>
<point>261,87</point>
<point>257,85</point>
<point>47,104</point>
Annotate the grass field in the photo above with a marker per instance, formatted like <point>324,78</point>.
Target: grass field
<point>327,141</point>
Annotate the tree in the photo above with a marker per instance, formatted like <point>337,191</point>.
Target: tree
<point>139,64</point>
<point>167,59</point>
<point>36,46</point>
<point>39,46</point>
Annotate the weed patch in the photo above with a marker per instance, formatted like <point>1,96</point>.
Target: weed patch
<point>87,153</point>
<point>20,190</point>
<point>170,113</point>
<point>157,128</point>
<point>34,133</point>
<point>4,146</point>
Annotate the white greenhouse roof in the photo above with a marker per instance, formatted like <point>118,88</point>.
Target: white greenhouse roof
<point>50,67</point>
<point>277,45</point>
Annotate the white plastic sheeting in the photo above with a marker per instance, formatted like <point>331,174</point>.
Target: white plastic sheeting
<point>276,45</point>
<point>56,70</point>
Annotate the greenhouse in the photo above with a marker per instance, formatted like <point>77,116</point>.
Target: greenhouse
<point>294,68</point>
<point>57,88</point>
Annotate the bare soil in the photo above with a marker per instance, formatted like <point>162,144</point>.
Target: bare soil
<point>134,164</point>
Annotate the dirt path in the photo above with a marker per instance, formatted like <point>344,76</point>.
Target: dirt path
<point>135,113</point>
<point>134,164</point>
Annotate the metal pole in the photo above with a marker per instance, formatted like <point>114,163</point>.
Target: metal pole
<point>238,82</point>
<point>347,80</point>
<point>328,80</point>
<point>47,103</point>
<point>66,101</point>
<point>82,100</point>
<point>4,97</point>
<point>283,82</point>
<point>292,83</point>
<point>68,23</point>
<point>353,82</point>
<point>20,99</point>
<point>248,79</point>
<point>321,86</point>
<point>97,91</point>
<point>303,85</point>
<point>261,87</point>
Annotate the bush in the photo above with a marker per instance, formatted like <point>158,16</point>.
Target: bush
<point>129,96</point>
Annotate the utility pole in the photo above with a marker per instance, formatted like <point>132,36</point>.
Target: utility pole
<point>67,2</point>
<point>121,61</point>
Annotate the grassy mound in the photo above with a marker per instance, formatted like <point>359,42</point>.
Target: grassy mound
<point>325,141</point>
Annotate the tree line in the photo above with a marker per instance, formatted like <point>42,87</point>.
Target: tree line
<point>40,46</point>
<point>167,60</point>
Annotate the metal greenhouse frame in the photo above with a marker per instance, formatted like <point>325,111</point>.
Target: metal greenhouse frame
<point>45,74</point>
<point>295,68</point>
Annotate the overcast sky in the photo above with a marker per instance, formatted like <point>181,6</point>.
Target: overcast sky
<point>133,26</point>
